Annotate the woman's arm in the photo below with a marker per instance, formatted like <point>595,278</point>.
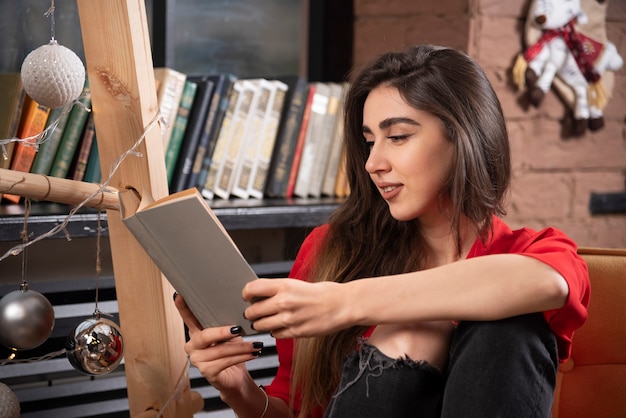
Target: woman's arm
<point>220,354</point>
<point>482,288</point>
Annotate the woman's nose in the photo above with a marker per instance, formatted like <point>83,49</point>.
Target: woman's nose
<point>376,160</point>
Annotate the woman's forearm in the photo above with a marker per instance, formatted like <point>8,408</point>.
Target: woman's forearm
<point>251,401</point>
<point>483,288</point>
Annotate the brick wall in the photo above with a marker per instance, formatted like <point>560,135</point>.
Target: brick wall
<point>553,176</point>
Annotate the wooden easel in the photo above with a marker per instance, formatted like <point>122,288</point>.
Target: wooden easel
<point>120,71</point>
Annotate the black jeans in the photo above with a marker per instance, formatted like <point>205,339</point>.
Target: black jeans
<point>503,368</point>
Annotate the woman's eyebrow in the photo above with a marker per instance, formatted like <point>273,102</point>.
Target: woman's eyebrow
<point>390,122</point>
<point>393,121</point>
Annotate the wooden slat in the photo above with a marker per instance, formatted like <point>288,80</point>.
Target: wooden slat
<point>124,103</point>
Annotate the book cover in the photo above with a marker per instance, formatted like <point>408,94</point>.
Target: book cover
<point>195,127</point>
<point>82,155</point>
<point>33,122</point>
<point>93,174</point>
<point>287,137</point>
<point>261,164</point>
<point>208,187</point>
<point>72,135</point>
<point>253,134</point>
<point>47,150</point>
<point>234,145</point>
<point>217,110</point>
<point>326,135</point>
<point>334,160</point>
<point>194,252</point>
<point>313,139</point>
<point>302,133</point>
<point>11,102</point>
<point>170,89</point>
<point>179,129</point>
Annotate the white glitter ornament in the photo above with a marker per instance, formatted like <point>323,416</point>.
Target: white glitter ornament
<point>53,75</point>
<point>9,404</point>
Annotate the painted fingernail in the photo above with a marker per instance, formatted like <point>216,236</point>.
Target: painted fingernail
<point>174,296</point>
<point>256,353</point>
<point>257,345</point>
<point>236,330</point>
<point>252,325</point>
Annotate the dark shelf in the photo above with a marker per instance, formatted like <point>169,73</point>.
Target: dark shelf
<point>234,215</point>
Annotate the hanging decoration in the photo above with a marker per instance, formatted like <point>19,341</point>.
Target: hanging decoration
<point>9,404</point>
<point>562,51</point>
<point>95,346</point>
<point>26,316</point>
<point>52,74</point>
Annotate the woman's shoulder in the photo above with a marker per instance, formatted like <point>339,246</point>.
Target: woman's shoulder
<point>524,239</point>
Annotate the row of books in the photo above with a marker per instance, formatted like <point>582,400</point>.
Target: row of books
<point>252,138</point>
<point>68,148</point>
<point>228,137</point>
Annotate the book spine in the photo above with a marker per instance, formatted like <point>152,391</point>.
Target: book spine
<point>180,125</point>
<point>171,84</point>
<point>93,173</point>
<point>214,121</point>
<point>253,137</point>
<point>332,170</point>
<point>287,137</point>
<point>84,150</point>
<point>34,118</point>
<point>225,175</point>
<point>297,155</point>
<point>47,150</point>
<point>323,152</point>
<point>312,140</point>
<point>11,104</point>
<point>220,145</point>
<point>260,168</point>
<point>193,134</point>
<point>71,137</point>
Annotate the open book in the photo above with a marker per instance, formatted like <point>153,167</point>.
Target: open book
<point>192,249</point>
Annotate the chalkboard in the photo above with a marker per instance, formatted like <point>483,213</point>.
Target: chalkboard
<point>246,37</point>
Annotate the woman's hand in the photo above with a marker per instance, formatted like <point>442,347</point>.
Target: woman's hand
<point>219,353</point>
<point>292,308</point>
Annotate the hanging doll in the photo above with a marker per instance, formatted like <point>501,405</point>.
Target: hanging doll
<point>559,52</point>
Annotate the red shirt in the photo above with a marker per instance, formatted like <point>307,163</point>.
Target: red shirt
<point>549,245</point>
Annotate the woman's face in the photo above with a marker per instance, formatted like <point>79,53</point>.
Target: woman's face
<point>410,158</point>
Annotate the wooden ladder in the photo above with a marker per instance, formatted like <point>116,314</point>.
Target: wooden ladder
<point>124,104</point>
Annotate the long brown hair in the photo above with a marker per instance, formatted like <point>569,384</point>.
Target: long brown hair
<point>363,239</point>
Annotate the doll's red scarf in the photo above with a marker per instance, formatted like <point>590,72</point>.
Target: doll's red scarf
<point>584,49</point>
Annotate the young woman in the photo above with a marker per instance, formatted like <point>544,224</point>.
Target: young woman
<point>415,299</point>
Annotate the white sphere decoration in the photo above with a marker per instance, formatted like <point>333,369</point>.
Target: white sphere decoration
<point>53,75</point>
<point>26,319</point>
<point>9,404</point>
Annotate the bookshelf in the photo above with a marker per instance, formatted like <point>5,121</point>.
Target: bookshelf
<point>236,214</point>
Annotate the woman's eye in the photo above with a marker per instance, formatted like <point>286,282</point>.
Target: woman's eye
<point>396,138</point>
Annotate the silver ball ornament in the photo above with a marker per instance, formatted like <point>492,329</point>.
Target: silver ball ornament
<point>53,75</point>
<point>9,404</point>
<point>26,319</point>
<point>95,346</point>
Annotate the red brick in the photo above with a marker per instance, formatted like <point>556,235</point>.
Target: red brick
<point>545,196</point>
<point>547,151</point>
<point>404,7</point>
<point>512,8</point>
